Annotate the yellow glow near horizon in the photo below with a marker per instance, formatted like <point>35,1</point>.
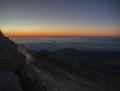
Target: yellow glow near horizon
<point>90,31</point>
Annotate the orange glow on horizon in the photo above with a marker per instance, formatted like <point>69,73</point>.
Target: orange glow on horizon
<point>62,32</point>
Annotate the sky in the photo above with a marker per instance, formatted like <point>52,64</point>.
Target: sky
<point>60,17</point>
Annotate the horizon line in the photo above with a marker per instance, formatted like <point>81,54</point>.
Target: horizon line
<point>71,36</point>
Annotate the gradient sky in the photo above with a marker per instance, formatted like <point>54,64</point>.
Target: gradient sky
<point>60,17</point>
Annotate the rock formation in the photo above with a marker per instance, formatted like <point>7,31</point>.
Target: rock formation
<point>9,81</point>
<point>10,58</point>
<point>6,44</point>
<point>25,51</point>
<point>11,61</point>
<point>16,72</point>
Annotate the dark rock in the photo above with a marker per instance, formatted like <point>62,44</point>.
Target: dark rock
<point>1,34</point>
<point>30,79</point>
<point>12,61</point>
<point>6,44</point>
<point>9,82</point>
<point>28,75</point>
<point>10,58</point>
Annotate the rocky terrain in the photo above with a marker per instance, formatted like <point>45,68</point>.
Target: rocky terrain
<point>70,70</point>
<point>62,70</point>
<point>11,61</point>
<point>15,73</point>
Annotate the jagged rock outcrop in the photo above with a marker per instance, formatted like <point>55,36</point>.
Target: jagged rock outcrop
<point>6,44</point>
<point>10,58</point>
<point>11,61</point>
<point>16,73</point>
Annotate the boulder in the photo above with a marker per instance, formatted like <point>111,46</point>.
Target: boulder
<point>29,75</point>
<point>30,79</point>
<point>9,82</point>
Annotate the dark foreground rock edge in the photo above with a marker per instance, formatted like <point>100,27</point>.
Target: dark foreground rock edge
<point>63,70</point>
<point>15,73</point>
<point>11,61</point>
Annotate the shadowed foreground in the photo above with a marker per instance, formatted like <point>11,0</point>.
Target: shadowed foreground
<point>62,70</point>
<point>73,70</point>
